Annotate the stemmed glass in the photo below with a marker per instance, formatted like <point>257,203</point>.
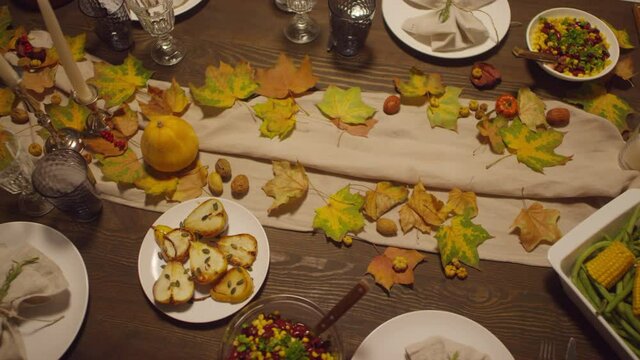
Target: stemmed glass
<point>302,28</point>
<point>15,176</point>
<point>157,18</point>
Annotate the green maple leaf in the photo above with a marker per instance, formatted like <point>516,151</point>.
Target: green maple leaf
<point>489,129</point>
<point>345,105</point>
<point>531,109</point>
<point>534,149</point>
<point>420,84</point>
<point>7,98</point>
<point>624,40</point>
<point>446,114</point>
<point>117,83</point>
<point>341,215</point>
<point>461,240</point>
<point>595,99</point>
<point>224,85</point>
<point>278,117</point>
<point>125,168</point>
<point>72,115</point>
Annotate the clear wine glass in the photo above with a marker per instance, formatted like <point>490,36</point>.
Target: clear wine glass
<point>302,28</point>
<point>157,18</point>
<point>15,176</point>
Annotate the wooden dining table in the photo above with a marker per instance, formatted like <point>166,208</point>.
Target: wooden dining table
<point>521,305</point>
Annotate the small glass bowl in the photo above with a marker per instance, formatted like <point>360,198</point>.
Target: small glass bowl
<point>290,307</point>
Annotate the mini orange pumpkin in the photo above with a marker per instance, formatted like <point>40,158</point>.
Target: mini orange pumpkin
<point>169,143</point>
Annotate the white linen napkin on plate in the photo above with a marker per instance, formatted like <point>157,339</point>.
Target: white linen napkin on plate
<point>36,283</point>
<point>441,348</point>
<point>460,30</point>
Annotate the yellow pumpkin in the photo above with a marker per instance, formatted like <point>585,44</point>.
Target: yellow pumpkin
<point>169,143</point>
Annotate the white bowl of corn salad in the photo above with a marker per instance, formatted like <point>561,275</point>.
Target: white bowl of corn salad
<point>586,47</point>
<point>595,262</point>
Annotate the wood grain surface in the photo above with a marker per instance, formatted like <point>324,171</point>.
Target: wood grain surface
<point>520,304</point>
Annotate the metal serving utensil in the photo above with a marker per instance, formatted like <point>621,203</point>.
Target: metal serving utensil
<point>526,54</point>
<point>352,297</point>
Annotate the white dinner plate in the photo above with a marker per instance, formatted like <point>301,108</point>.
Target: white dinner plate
<point>395,12</point>
<point>389,340</point>
<point>149,262</point>
<point>51,342</point>
<point>179,7</point>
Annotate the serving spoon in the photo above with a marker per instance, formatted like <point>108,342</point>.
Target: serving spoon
<point>352,297</point>
<point>526,54</point>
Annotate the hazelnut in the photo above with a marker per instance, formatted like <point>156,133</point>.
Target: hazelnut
<point>224,169</point>
<point>558,117</point>
<point>240,186</point>
<point>19,116</point>
<point>391,105</point>
<point>35,149</point>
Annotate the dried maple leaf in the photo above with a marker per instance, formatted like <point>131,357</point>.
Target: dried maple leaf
<point>534,149</point>
<point>361,130</point>
<point>117,83</point>
<point>531,109</point>
<point>536,225</point>
<point>460,240</point>
<point>156,104</point>
<point>426,205</point>
<point>595,99</point>
<point>624,40</point>
<point>420,84</point>
<point>71,115</point>
<point>284,79</point>
<point>345,105</point>
<point>278,117</point>
<point>489,129</point>
<point>385,196</point>
<point>99,145</point>
<point>125,121</point>
<point>624,68</point>
<point>410,219</point>
<point>224,85</point>
<point>382,267</point>
<point>125,168</point>
<point>7,97</point>
<point>176,97</point>
<point>289,183</point>
<point>446,113</point>
<point>40,80</point>
<point>461,202</point>
<point>190,184</point>
<point>341,215</point>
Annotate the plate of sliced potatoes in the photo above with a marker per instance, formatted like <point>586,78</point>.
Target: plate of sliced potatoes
<point>203,260</point>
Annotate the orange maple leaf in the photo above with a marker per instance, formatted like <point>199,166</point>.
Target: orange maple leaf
<point>284,79</point>
<point>386,274</point>
<point>536,225</point>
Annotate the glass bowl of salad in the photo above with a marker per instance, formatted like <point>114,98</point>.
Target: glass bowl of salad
<point>585,47</point>
<point>280,326</point>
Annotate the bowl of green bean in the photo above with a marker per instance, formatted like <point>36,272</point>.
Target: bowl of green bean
<point>596,265</point>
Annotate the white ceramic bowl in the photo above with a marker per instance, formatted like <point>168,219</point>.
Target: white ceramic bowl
<point>562,255</point>
<point>609,36</point>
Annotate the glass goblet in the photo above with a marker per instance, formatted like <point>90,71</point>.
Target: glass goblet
<point>302,28</point>
<point>15,176</point>
<point>157,18</point>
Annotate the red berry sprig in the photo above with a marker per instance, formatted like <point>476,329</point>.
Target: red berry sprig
<point>108,135</point>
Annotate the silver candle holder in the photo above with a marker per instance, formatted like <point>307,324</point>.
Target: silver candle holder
<point>97,120</point>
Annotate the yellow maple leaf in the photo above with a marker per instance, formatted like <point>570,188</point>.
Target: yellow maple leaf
<point>176,97</point>
<point>289,183</point>
<point>224,85</point>
<point>426,205</point>
<point>385,196</point>
<point>537,225</point>
<point>7,98</point>
<point>284,79</point>
<point>157,186</point>
<point>459,202</point>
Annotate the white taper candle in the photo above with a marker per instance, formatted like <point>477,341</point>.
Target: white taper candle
<point>7,73</point>
<point>83,92</point>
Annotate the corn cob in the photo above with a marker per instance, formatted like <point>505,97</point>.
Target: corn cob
<point>636,293</point>
<point>610,265</point>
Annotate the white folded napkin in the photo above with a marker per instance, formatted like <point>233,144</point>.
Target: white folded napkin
<point>35,284</point>
<point>441,348</point>
<point>459,30</point>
